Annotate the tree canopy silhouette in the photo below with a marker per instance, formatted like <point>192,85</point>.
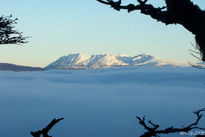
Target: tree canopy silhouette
<point>183,12</point>
<point>8,35</point>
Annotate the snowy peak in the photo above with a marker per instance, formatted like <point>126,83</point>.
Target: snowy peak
<point>71,61</point>
<point>81,61</point>
<point>107,60</point>
<point>136,60</point>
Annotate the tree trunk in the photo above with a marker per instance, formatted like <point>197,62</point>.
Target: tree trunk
<point>190,16</point>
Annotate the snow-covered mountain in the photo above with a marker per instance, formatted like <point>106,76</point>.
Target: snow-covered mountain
<point>81,61</point>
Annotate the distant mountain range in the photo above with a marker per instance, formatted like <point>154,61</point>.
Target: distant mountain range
<point>81,61</point>
<point>12,67</point>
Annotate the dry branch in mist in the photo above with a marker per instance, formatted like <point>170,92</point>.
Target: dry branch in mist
<point>152,130</point>
<point>45,130</point>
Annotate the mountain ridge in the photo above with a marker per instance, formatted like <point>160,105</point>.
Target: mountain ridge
<point>14,67</point>
<point>82,61</point>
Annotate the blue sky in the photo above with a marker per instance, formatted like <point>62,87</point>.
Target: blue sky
<point>62,27</point>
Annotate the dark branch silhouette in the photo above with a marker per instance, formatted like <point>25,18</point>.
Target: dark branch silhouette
<point>152,129</point>
<point>7,33</point>
<point>183,12</point>
<point>45,130</point>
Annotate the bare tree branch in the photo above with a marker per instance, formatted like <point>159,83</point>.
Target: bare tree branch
<point>157,13</point>
<point>183,12</point>
<point>152,130</point>
<point>45,130</point>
